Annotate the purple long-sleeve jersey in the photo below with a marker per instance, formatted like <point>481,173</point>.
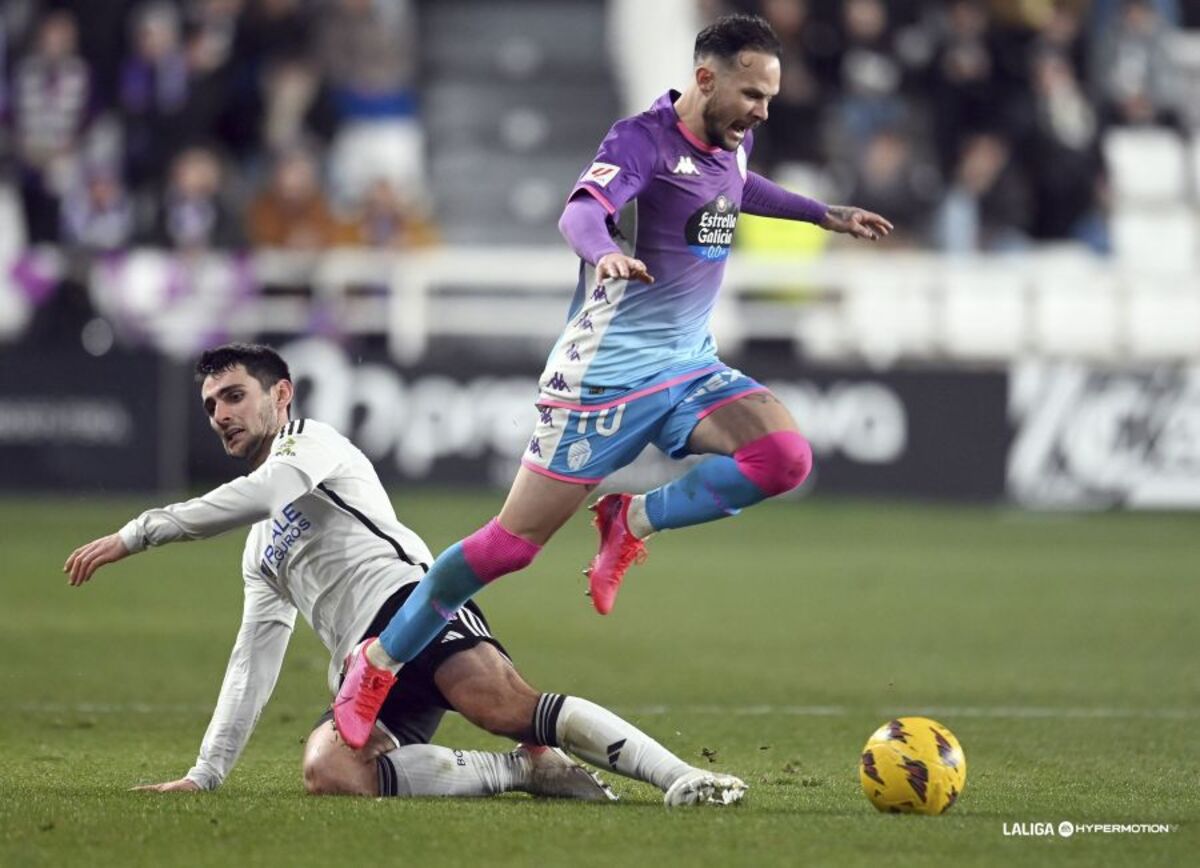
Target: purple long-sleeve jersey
<point>678,200</point>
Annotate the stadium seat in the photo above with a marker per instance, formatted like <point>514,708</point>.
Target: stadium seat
<point>984,313</point>
<point>1075,313</point>
<point>889,313</point>
<point>1146,165</point>
<point>1160,240</point>
<point>1163,319</point>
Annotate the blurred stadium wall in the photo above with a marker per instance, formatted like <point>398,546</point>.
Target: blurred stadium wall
<point>373,185</point>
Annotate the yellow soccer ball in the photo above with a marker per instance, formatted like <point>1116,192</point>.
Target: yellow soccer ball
<point>913,765</point>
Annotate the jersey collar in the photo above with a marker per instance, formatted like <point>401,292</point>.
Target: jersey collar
<point>667,102</point>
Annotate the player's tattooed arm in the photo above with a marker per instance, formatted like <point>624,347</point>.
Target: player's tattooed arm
<point>622,267</point>
<point>856,222</point>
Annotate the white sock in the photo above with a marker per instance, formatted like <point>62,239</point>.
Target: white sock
<point>637,519</point>
<point>597,735</point>
<point>380,659</point>
<point>430,770</point>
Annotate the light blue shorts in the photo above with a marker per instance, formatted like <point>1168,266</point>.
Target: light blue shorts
<point>586,445</point>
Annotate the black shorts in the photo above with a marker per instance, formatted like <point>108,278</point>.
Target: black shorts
<point>414,707</point>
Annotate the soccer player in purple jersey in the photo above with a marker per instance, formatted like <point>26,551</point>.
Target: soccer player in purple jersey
<point>636,363</point>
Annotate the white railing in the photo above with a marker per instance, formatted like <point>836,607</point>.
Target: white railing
<point>874,307</point>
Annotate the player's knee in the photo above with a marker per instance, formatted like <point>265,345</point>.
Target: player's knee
<point>330,776</point>
<point>493,551</point>
<point>777,462</point>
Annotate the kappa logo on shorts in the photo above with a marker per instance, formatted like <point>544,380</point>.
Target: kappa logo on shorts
<point>601,173</point>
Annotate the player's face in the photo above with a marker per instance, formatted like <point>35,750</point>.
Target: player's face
<point>243,413</point>
<point>738,98</point>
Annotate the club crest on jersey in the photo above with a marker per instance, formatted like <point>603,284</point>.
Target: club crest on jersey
<point>601,173</point>
<point>685,166</point>
<point>287,447</point>
<point>709,231</point>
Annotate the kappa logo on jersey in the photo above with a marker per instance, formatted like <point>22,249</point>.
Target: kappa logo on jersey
<point>685,166</point>
<point>601,173</point>
<point>709,232</point>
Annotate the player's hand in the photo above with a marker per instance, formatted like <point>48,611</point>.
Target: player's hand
<point>183,785</point>
<point>856,222</point>
<point>86,559</point>
<point>618,265</point>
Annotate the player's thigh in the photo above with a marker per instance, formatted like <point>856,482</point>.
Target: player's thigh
<point>738,422</point>
<point>483,686</point>
<point>537,505</point>
<point>331,767</point>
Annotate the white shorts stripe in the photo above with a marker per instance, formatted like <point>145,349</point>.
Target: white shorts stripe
<point>472,622</point>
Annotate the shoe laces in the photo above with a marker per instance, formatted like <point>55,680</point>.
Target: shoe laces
<point>373,684</point>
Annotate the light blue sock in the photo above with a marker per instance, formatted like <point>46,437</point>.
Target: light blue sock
<point>449,583</point>
<point>714,488</point>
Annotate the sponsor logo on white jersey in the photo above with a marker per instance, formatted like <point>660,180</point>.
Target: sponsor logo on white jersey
<point>601,173</point>
<point>685,166</point>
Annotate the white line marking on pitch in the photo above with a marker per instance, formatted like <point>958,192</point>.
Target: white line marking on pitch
<point>1000,712</point>
<point>1017,712</point>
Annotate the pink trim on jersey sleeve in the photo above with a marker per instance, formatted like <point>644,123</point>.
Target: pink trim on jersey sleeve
<point>600,197</point>
<point>694,141</point>
<point>545,401</point>
<point>708,411</point>
<point>575,480</point>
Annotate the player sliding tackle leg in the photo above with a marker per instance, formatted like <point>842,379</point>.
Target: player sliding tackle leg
<point>486,688</point>
<point>636,364</point>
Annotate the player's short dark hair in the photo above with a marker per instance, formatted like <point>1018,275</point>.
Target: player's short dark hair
<point>730,35</point>
<point>260,361</point>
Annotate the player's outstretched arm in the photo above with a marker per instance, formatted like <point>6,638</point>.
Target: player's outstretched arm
<point>86,559</point>
<point>856,222</point>
<point>250,678</point>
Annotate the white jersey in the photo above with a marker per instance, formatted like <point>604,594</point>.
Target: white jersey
<point>325,542</point>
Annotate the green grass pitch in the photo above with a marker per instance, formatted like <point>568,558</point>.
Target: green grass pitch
<point>1061,649</point>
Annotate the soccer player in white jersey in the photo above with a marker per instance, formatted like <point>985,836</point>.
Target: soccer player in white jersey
<point>325,542</point>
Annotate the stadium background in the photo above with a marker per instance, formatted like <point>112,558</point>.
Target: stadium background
<point>373,185</point>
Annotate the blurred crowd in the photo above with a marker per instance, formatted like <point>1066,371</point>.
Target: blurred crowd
<point>972,124</point>
<point>183,128</point>
<point>198,125</point>
<point>201,124</point>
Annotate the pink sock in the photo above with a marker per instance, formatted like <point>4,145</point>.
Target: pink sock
<point>776,462</point>
<point>492,552</point>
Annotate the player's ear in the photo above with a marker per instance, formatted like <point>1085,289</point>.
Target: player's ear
<point>284,393</point>
<point>706,78</point>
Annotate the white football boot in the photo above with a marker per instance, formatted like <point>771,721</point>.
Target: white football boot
<point>699,787</point>
<point>554,774</point>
